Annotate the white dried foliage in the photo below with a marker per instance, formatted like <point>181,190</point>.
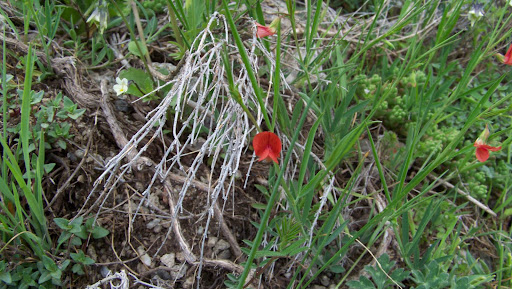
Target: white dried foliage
<point>199,97</point>
<point>118,280</point>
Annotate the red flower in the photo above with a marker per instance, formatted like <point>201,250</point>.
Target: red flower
<point>482,148</point>
<point>267,146</point>
<point>508,56</point>
<point>264,31</point>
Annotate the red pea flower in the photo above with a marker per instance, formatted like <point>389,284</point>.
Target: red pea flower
<point>508,56</point>
<point>267,146</point>
<point>482,148</point>
<point>264,31</point>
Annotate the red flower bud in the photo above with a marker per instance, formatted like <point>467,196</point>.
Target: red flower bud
<point>264,31</point>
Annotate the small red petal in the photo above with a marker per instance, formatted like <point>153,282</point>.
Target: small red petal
<point>482,154</point>
<point>487,147</point>
<point>267,145</point>
<point>508,56</point>
<point>265,155</point>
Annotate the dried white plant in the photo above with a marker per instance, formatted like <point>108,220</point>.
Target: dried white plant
<point>199,98</point>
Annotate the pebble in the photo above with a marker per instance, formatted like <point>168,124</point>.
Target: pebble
<point>72,157</point>
<point>144,257</point>
<point>325,280</point>
<point>155,222</point>
<point>164,274</point>
<point>226,254</point>
<point>318,287</point>
<point>180,256</point>
<point>105,271</point>
<point>189,282</point>
<point>221,246</point>
<point>211,242</point>
<point>79,153</point>
<point>146,260</point>
<point>168,260</point>
<point>178,271</point>
<point>81,179</point>
<point>123,106</point>
<point>157,229</point>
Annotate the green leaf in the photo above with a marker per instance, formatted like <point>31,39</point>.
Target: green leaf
<point>5,277</point>
<point>63,224</point>
<point>77,269</point>
<point>80,257</point>
<point>132,47</point>
<point>99,232</point>
<point>82,233</point>
<point>64,236</point>
<point>45,276</point>
<point>48,167</point>
<point>362,283</point>
<point>77,113</point>
<point>68,103</point>
<point>64,265</point>
<point>143,81</point>
<point>61,144</point>
<point>77,225</point>
<point>48,263</point>
<point>76,241</point>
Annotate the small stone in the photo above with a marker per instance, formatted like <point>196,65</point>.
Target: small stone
<point>144,257</point>
<point>105,271</point>
<point>146,260</point>
<point>72,157</point>
<point>81,179</point>
<point>221,245</point>
<point>318,287</point>
<point>225,254</point>
<point>180,256</point>
<point>332,286</point>
<point>168,260</point>
<point>164,274</point>
<point>189,282</point>
<point>79,153</point>
<point>325,280</point>
<point>211,242</point>
<point>200,230</point>
<point>141,267</point>
<point>157,229</point>
<point>153,223</point>
<point>123,105</point>
<point>178,271</point>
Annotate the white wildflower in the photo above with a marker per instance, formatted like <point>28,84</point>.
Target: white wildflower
<point>475,13</point>
<point>121,86</point>
<point>100,16</point>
